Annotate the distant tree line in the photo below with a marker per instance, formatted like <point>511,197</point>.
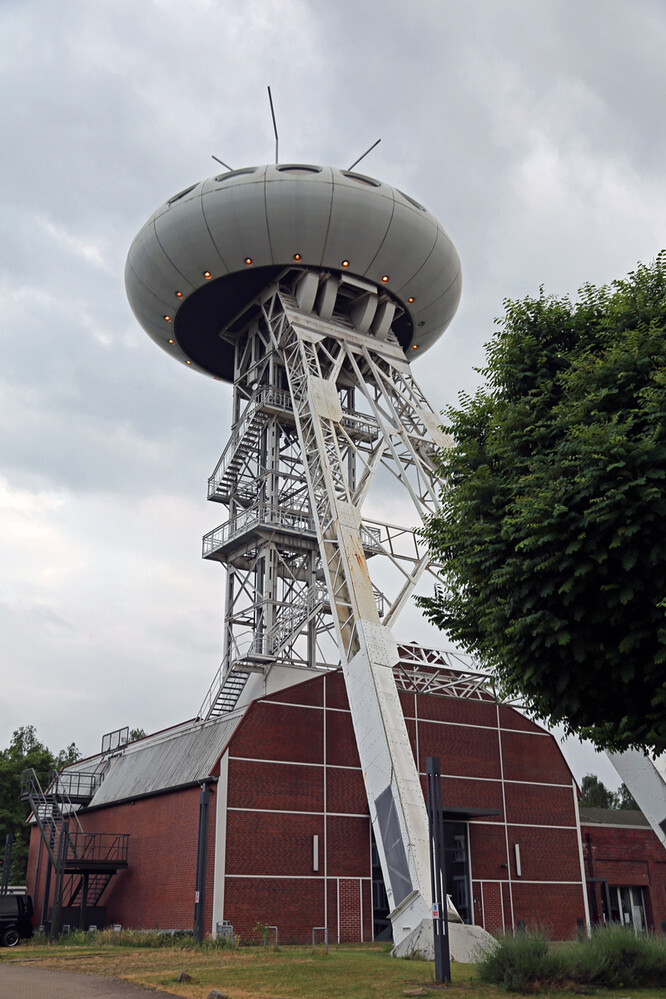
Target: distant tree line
<point>596,795</point>
<point>24,751</point>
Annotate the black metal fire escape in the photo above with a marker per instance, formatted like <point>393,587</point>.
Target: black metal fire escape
<point>83,863</point>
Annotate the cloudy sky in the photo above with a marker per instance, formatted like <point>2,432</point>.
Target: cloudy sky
<point>533,129</point>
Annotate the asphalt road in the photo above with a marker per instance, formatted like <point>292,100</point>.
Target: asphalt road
<point>23,981</point>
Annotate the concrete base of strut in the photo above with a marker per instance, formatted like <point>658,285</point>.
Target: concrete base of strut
<point>466,943</point>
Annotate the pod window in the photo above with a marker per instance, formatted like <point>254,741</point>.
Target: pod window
<point>235,173</point>
<point>181,194</point>
<point>298,169</point>
<point>360,178</point>
<point>412,202</point>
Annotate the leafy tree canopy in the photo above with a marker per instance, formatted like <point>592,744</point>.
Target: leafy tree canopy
<point>624,798</point>
<point>553,529</point>
<point>595,794</point>
<point>25,751</point>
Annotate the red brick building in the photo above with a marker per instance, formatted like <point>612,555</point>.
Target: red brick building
<point>625,866</point>
<point>289,840</point>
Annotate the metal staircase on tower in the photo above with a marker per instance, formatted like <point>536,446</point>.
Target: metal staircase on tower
<point>82,863</point>
<point>325,406</point>
<point>278,602</point>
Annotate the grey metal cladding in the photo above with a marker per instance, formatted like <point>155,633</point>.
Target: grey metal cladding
<point>236,217</point>
<point>183,758</point>
<point>410,241</point>
<point>184,237</point>
<point>442,310</point>
<point>360,219</point>
<point>265,217</point>
<point>144,301</point>
<point>153,268</point>
<point>394,849</point>
<point>298,213</point>
<point>438,267</point>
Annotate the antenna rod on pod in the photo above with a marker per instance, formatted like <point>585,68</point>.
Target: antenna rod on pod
<point>365,154</point>
<point>270,98</point>
<point>222,162</point>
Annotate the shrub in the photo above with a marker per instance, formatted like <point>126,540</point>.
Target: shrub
<point>144,939</point>
<point>613,957</point>
<point>522,963</point>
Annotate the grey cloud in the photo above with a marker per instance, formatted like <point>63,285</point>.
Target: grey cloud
<point>110,108</point>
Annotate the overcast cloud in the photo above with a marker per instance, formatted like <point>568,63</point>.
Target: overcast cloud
<point>533,131</point>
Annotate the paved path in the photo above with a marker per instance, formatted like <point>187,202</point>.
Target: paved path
<point>23,981</point>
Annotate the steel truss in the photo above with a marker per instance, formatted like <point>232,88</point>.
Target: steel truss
<point>324,404</point>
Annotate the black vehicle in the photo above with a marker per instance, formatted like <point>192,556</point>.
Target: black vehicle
<point>15,919</point>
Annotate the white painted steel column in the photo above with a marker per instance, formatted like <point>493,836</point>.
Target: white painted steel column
<point>367,647</point>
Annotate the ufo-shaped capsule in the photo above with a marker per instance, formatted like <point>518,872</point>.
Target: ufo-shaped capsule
<point>205,254</point>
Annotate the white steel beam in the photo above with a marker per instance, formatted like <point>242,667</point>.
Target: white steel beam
<point>367,647</point>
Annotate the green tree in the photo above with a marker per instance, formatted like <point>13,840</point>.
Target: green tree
<point>25,751</point>
<point>137,733</point>
<point>553,529</point>
<point>624,798</point>
<point>595,794</point>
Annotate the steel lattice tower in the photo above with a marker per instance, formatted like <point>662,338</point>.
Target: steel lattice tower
<point>311,290</point>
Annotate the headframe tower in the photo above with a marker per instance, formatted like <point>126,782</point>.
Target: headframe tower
<point>311,290</point>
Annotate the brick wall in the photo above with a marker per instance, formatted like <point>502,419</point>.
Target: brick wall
<point>293,905</point>
<point>312,786</point>
<point>294,773</point>
<point>157,889</point>
<point>627,856</point>
<point>517,772</point>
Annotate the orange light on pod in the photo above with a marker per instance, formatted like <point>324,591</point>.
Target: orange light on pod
<point>385,278</point>
<point>345,263</point>
<point>248,261</point>
<point>297,256</point>
<point>188,362</point>
<point>171,341</point>
<point>179,294</point>
<point>414,347</point>
<point>410,300</point>
<point>207,275</point>
<point>167,319</point>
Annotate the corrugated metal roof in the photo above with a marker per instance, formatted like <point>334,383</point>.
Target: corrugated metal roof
<point>156,764</point>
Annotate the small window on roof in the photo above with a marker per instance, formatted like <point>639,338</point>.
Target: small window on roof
<point>234,173</point>
<point>360,178</point>
<point>299,168</point>
<point>412,202</point>
<point>181,194</point>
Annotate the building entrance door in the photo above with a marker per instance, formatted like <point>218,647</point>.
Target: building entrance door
<point>627,906</point>
<point>456,859</point>
<point>457,868</point>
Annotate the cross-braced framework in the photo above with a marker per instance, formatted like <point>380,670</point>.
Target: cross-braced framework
<point>324,405</point>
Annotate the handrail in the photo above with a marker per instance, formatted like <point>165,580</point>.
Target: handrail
<point>292,619</point>
<point>262,513</point>
<point>209,699</point>
<point>266,396</point>
<point>111,848</point>
<point>78,782</point>
<point>265,513</point>
<point>61,794</point>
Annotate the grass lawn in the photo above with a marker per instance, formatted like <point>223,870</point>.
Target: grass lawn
<point>347,972</point>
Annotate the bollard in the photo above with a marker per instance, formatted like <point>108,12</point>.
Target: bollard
<point>315,929</point>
